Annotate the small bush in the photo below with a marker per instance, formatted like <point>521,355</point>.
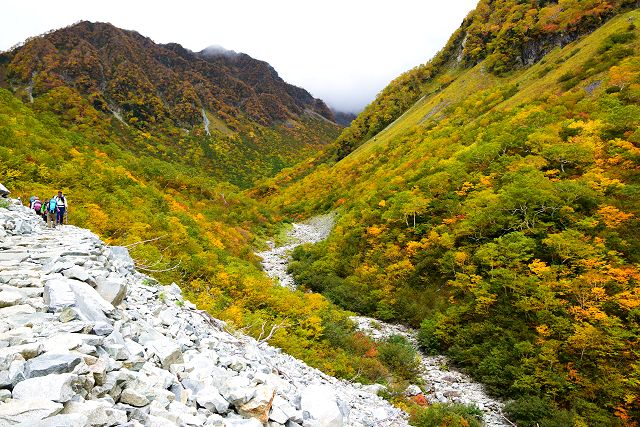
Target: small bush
<point>566,76</point>
<point>400,356</point>
<point>450,415</point>
<point>427,338</point>
<point>532,411</point>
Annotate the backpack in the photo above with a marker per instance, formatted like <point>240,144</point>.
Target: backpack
<point>37,205</point>
<point>52,205</point>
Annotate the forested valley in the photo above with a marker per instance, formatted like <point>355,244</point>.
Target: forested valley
<point>488,198</point>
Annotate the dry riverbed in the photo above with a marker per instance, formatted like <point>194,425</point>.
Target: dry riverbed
<point>442,382</point>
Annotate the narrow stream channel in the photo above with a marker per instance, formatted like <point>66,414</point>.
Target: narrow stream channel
<point>443,383</point>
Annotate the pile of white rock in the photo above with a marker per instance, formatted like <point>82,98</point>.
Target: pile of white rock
<point>442,382</point>
<point>275,260</point>
<point>86,340</point>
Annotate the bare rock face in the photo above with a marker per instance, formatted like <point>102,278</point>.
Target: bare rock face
<point>57,387</point>
<point>27,411</point>
<point>88,342</point>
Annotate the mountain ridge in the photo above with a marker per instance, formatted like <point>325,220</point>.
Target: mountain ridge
<point>89,56</point>
<point>232,117</point>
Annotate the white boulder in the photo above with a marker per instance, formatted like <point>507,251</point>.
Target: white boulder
<point>209,398</point>
<point>320,406</point>
<point>56,387</point>
<point>27,410</point>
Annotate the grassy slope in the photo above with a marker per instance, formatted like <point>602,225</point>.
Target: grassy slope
<point>467,84</point>
<point>519,186</point>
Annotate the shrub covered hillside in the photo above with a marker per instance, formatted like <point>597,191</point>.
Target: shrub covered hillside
<point>505,35</point>
<point>500,213</point>
<point>115,121</point>
<point>182,226</point>
<point>221,111</point>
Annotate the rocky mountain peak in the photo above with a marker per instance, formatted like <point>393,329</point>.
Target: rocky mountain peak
<point>121,70</point>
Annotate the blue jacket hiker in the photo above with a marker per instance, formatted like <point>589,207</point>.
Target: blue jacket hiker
<point>52,210</point>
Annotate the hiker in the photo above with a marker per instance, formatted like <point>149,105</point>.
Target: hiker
<point>51,212</point>
<point>61,207</point>
<point>36,205</point>
<point>31,200</point>
<point>45,207</point>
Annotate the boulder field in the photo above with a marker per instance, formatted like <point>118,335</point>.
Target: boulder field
<point>86,340</point>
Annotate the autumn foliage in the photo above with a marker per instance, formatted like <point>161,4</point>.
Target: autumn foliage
<point>500,215</point>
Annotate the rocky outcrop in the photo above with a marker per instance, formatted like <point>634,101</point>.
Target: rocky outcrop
<point>86,340</point>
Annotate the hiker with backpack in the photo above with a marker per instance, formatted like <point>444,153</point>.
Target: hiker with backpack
<point>51,212</point>
<point>36,205</point>
<point>61,207</point>
<point>44,210</point>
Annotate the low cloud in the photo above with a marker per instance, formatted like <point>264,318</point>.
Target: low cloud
<point>217,50</point>
<point>342,52</point>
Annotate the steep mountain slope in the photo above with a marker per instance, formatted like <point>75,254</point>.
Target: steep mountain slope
<point>505,35</point>
<point>221,110</point>
<point>180,225</point>
<point>98,112</point>
<point>496,207</point>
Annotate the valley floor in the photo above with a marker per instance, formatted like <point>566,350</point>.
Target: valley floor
<point>442,382</point>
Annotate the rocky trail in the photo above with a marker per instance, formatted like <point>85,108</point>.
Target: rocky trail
<point>86,340</point>
<point>442,382</point>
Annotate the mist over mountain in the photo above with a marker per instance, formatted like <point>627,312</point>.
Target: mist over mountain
<point>216,50</point>
<point>344,118</point>
<point>109,63</point>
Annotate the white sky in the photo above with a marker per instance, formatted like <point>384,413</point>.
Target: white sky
<point>342,51</point>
